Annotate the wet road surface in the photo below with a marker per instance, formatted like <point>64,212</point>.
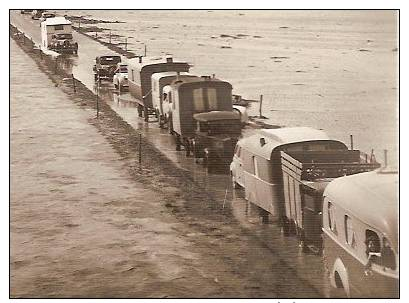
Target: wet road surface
<point>264,256</point>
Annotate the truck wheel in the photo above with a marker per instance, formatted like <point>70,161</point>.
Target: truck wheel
<point>178,143</point>
<point>170,125</point>
<point>140,110</point>
<point>187,148</point>
<point>285,227</point>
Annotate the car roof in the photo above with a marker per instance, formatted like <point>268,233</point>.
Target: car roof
<point>57,21</point>
<point>371,197</point>
<point>216,115</point>
<point>281,136</point>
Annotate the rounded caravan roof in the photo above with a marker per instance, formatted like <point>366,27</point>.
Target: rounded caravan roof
<point>372,197</point>
<point>281,136</point>
<point>158,76</point>
<point>216,115</point>
<point>196,81</point>
<point>147,61</point>
<point>56,21</point>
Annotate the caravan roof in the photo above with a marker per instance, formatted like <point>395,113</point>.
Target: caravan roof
<point>158,76</point>
<point>277,137</point>
<point>57,21</point>
<point>371,197</point>
<point>146,61</point>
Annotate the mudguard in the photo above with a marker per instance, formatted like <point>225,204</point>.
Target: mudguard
<point>339,268</point>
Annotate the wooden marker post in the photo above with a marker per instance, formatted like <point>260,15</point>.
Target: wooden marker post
<point>261,105</point>
<point>73,83</point>
<point>140,149</point>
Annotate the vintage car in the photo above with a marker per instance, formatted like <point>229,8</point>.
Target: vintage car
<point>46,15</point>
<point>56,35</point>
<point>215,138</point>
<point>105,66</point>
<point>361,235</point>
<point>36,13</point>
<point>120,78</point>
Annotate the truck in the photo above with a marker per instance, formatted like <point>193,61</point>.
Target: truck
<point>199,108</point>
<point>140,71</point>
<point>56,35</point>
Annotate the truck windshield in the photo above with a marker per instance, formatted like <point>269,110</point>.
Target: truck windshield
<point>64,36</point>
<point>110,60</point>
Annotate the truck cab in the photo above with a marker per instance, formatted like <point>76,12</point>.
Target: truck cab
<point>216,135</point>
<point>56,35</point>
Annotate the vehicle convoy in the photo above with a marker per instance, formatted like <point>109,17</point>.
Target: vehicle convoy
<point>141,70</point>
<point>56,35</point>
<point>105,67</point>
<point>361,234</point>
<point>284,172</point>
<point>120,78</point>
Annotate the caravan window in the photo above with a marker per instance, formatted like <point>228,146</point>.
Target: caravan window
<point>59,27</point>
<point>349,231</point>
<point>198,100</point>
<point>212,98</point>
<point>255,166</point>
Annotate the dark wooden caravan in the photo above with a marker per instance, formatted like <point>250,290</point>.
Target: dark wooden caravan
<point>140,72</point>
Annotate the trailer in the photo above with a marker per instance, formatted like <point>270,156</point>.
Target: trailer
<point>160,96</point>
<point>274,165</point>
<point>56,35</point>
<point>305,177</point>
<point>140,71</point>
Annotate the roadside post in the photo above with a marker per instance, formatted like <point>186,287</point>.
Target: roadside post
<point>145,50</point>
<point>126,44</point>
<point>260,107</point>
<point>98,97</point>
<point>140,149</point>
<point>352,141</point>
<point>73,83</point>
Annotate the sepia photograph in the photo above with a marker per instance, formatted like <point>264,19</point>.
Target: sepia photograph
<point>204,153</point>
